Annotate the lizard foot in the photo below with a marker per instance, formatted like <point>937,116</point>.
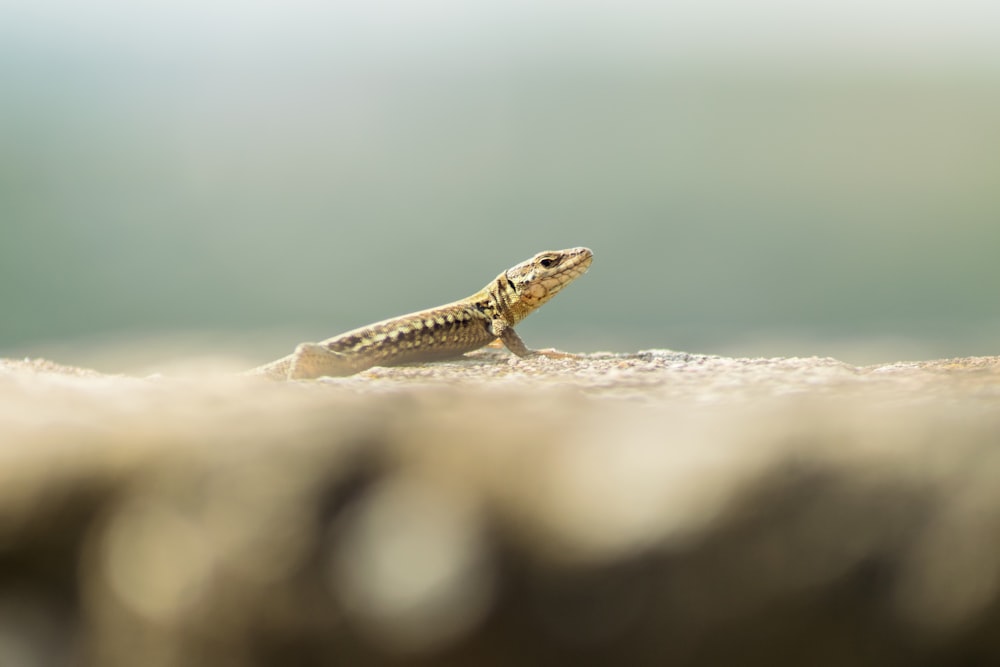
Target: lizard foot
<point>553,353</point>
<point>548,353</point>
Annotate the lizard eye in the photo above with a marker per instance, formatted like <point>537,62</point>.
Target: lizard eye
<point>547,262</point>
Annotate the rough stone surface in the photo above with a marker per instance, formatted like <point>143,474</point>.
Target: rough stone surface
<point>642,509</point>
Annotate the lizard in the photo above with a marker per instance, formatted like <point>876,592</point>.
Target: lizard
<point>443,332</point>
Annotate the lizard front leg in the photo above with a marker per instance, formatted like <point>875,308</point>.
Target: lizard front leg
<point>510,339</point>
<point>513,342</point>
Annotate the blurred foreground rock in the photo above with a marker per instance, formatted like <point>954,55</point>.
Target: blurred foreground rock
<point>647,509</point>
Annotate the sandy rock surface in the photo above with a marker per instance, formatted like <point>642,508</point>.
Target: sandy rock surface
<point>644,509</point>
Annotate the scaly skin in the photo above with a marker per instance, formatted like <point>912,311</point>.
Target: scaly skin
<point>443,332</point>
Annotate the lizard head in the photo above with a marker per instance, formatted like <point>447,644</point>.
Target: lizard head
<point>535,281</point>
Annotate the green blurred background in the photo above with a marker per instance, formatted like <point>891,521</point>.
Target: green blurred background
<point>230,178</point>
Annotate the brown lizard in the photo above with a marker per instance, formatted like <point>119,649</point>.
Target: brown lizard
<point>443,332</point>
